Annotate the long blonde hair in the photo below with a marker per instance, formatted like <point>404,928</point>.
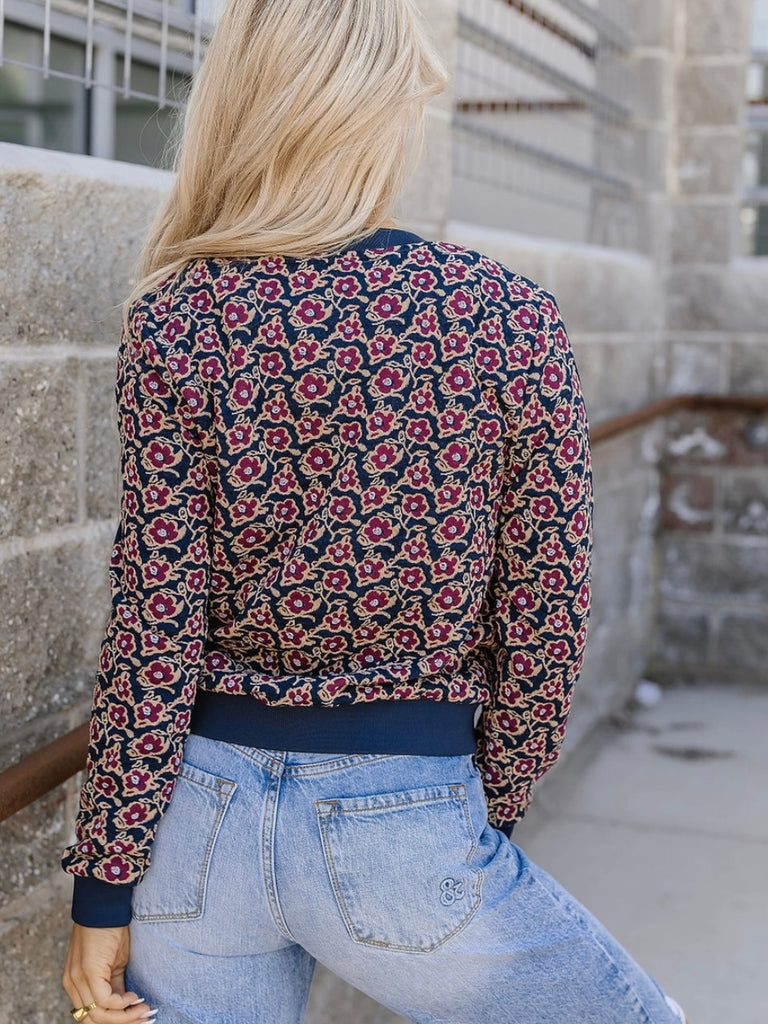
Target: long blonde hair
<point>303,123</point>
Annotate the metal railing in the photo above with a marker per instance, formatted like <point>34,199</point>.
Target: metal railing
<point>168,34</point>
<point>542,95</point>
<point>42,771</point>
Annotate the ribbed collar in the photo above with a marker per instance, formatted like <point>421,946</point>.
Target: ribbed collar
<point>385,238</point>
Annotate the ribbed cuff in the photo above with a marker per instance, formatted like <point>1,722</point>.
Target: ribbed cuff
<point>97,904</point>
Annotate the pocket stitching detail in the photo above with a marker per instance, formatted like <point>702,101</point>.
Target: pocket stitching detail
<point>325,814</point>
<point>224,788</point>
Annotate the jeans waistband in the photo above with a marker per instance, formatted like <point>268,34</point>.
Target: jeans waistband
<point>419,727</point>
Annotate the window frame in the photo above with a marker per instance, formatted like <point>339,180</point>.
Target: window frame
<point>109,43</point>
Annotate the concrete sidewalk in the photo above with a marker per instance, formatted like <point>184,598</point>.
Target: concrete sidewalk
<point>664,836</point>
<point>665,839</point>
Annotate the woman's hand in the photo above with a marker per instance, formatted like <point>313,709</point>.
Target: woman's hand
<point>95,973</point>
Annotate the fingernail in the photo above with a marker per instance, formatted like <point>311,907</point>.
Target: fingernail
<point>150,1015</point>
<point>137,1003</point>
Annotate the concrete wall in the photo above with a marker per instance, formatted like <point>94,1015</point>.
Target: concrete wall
<point>716,311</point>
<point>713,549</point>
<point>69,231</point>
<point>712,621</point>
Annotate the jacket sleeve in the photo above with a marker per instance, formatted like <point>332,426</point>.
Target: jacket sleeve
<point>538,599</point>
<point>153,648</point>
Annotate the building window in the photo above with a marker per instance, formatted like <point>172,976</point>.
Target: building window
<point>103,88</point>
<point>143,131</point>
<point>35,111</point>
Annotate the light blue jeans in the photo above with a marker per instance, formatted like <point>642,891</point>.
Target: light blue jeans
<point>382,867</point>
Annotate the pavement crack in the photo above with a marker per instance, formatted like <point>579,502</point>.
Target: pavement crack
<point>692,753</point>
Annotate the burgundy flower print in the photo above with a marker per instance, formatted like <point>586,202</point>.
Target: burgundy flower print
<point>386,307</point>
<point>458,379</point>
<point>526,318</point>
<point>311,311</point>
<point>346,478</point>
<point>461,304</point>
<point>312,385</point>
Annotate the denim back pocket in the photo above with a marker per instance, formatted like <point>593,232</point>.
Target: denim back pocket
<point>174,886</point>
<point>400,865</point>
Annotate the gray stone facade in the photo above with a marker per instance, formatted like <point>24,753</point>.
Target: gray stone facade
<point>712,558</point>
<point>69,231</point>
<point>712,619</point>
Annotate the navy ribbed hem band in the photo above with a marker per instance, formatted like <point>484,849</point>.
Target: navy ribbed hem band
<point>419,727</point>
<point>98,904</point>
<point>386,238</point>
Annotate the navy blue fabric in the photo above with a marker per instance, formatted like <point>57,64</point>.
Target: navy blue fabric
<point>420,727</point>
<point>98,904</point>
<point>480,598</point>
<point>383,239</point>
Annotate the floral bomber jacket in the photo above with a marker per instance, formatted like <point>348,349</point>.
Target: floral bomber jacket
<point>356,477</point>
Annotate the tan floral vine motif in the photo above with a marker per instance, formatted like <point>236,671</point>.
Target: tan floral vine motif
<point>352,478</point>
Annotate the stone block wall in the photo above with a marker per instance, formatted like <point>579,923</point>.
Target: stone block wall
<point>711,46</point>
<point>715,299</point>
<point>713,550</point>
<point>623,578</point>
<point>69,231</point>
<point>712,623</point>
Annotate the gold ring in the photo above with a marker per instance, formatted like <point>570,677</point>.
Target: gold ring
<point>82,1012</point>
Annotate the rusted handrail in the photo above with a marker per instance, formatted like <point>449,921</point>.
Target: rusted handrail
<point>42,771</point>
<point>38,773</point>
<point>675,403</point>
<point>534,15</point>
<point>637,418</point>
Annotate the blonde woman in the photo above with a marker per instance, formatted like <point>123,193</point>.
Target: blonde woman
<point>350,582</point>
